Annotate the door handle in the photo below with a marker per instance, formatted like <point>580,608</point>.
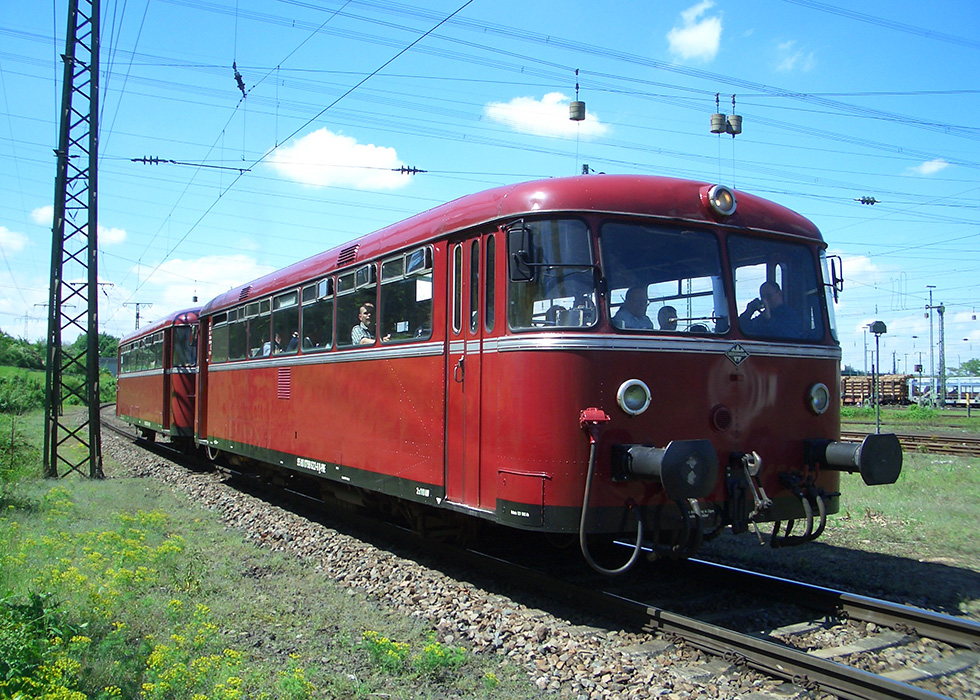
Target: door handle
<point>459,371</point>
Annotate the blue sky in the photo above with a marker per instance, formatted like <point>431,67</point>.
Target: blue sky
<point>836,104</point>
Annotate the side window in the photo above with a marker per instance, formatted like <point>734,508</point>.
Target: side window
<point>457,288</point>
<point>406,297</point>
<point>219,338</point>
<point>317,316</point>
<point>474,314</point>
<point>285,323</point>
<point>356,315</point>
<point>490,297</point>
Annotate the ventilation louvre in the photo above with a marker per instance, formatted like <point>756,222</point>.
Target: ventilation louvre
<point>284,383</point>
<point>347,255</point>
<point>243,295</point>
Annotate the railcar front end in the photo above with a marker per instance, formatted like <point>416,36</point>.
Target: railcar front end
<point>664,377</point>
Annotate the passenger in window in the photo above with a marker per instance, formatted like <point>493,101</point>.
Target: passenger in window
<point>293,342</point>
<point>667,318</point>
<point>769,315</point>
<point>361,334</point>
<point>268,347</point>
<point>632,312</point>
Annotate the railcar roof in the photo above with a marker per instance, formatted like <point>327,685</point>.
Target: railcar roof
<point>644,195</point>
<point>182,317</point>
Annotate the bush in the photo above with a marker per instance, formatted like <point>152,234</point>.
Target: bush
<point>20,394</point>
<point>918,412</point>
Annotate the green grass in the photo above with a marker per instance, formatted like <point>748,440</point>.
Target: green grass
<point>899,418</point>
<point>122,588</point>
<point>932,510</point>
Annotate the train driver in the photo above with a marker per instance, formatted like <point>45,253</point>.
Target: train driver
<point>667,318</point>
<point>774,318</point>
<point>632,312</point>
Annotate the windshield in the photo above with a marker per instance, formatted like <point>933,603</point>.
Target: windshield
<point>663,279</point>
<point>776,289</point>
<point>555,287</point>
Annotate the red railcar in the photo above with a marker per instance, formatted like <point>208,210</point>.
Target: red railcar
<point>507,375</point>
<point>591,355</point>
<point>157,379</point>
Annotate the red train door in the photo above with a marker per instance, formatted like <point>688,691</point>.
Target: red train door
<point>464,333</point>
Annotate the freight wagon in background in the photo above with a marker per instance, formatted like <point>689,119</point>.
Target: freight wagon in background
<point>904,389</point>
<point>859,390</point>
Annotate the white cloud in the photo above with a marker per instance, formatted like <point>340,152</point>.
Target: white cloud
<point>323,159</point>
<point>698,37</point>
<point>789,58</point>
<point>43,216</point>
<point>545,117</point>
<point>176,281</point>
<point>111,236</point>
<point>12,241</point>
<point>930,167</point>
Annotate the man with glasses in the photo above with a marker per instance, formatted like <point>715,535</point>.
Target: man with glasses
<point>769,315</point>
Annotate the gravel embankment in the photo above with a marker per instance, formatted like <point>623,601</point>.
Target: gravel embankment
<point>572,660</point>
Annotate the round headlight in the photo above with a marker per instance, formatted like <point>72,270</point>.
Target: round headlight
<point>819,398</point>
<point>722,200</point>
<point>633,397</point>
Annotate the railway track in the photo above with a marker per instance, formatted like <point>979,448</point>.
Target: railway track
<point>839,665</point>
<point>788,651</point>
<point>963,445</point>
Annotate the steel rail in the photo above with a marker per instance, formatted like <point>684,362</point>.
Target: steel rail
<point>957,631</point>
<point>772,658</point>
<point>964,445</point>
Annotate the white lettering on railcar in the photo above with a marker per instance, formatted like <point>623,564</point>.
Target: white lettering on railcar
<point>520,513</point>
<point>425,493</point>
<point>312,465</point>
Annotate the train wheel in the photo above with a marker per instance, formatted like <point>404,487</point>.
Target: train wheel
<point>147,435</point>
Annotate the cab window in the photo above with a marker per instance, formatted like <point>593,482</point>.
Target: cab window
<point>552,275</point>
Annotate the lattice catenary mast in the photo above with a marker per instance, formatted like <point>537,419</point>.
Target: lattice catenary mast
<point>74,261</point>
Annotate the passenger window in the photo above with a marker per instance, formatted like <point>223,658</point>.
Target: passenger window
<point>237,337</point>
<point>317,316</point>
<point>259,328</point>
<point>285,323</point>
<point>406,297</point>
<point>356,315</point>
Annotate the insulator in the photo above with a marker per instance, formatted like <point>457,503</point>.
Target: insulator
<point>734,125</point>
<point>718,123</point>
<point>576,111</point>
